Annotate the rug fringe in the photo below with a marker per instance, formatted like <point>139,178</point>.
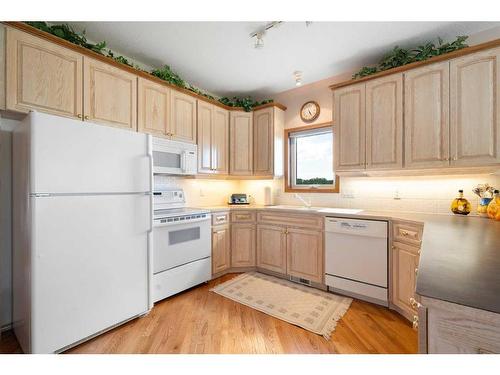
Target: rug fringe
<point>332,324</point>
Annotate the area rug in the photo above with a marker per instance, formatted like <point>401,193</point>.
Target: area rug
<point>309,308</point>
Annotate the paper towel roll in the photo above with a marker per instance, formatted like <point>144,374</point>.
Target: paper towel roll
<point>268,196</point>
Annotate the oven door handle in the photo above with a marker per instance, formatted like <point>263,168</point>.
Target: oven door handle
<point>158,223</point>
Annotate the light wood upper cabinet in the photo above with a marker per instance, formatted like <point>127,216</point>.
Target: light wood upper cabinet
<point>404,271</point>
<point>153,108</point>
<point>242,245</point>
<point>263,147</point>
<point>305,254</point>
<point>427,116</point>
<point>220,140</point>
<point>221,250</point>
<point>271,248</point>
<point>349,123</point>
<point>475,109</point>
<point>241,143</point>
<point>110,95</point>
<point>182,117</point>
<point>384,123</point>
<point>213,139</point>
<point>42,76</point>
<point>205,154</point>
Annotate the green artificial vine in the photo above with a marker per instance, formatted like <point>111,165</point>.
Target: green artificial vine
<point>165,73</point>
<point>246,103</point>
<point>399,56</point>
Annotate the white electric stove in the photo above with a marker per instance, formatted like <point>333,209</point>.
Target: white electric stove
<point>181,244</point>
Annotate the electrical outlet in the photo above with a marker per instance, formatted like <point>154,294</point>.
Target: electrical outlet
<point>202,193</point>
<point>349,194</point>
<point>396,195</point>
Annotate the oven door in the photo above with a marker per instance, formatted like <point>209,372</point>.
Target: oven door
<point>178,244</point>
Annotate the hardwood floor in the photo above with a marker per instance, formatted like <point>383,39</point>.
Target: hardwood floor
<point>198,321</point>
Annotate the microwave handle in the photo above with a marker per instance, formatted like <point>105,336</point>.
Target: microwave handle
<point>183,161</point>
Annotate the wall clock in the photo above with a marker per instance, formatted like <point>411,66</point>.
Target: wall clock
<point>309,111</point>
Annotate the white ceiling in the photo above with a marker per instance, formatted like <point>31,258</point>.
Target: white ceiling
<point>220,58</point>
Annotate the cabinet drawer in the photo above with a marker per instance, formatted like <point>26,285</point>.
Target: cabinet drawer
<point>243,216</point>
<point>291,220</point>
<point>220,218</point>
<point>407,233</point>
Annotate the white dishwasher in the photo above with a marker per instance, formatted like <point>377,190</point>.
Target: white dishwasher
<point>356,258</point>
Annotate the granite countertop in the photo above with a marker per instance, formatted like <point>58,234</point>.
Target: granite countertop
<point>460,261</point>
<point>460,256</point>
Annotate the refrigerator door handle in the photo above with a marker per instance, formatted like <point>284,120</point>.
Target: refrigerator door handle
<point>151,222</point>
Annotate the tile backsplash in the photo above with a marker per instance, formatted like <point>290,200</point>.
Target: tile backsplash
<point>429,194</point>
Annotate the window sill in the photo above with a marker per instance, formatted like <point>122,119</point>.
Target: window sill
<point>294,189</point>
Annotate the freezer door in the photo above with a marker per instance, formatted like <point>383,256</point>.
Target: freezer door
<point>69,156</point>
<point>89,266</point>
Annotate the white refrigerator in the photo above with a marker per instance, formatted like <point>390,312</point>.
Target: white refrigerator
<point>82,230</point>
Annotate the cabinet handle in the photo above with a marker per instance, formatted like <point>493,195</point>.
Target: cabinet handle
<point>86,117</point>
<point>405,233</point>
<point>415,322</point>
<point>414,303</point>
<point>79,115</point>
<point>455,158</point>
<point>416,271</point>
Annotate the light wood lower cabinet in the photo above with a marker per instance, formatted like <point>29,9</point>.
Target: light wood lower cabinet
<point>109,95</point>
<point>242,245</point>
<point>43,76</point>
<point>221,249</point>
<point>404,275</point>
<point>305,254</point>
<point>456,329</point>
<point>153,106</point>
<point>271,248</point>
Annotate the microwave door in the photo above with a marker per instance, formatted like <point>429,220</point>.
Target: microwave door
<point>167,161</point>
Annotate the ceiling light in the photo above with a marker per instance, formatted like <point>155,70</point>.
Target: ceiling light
<point>259,41</point>
<point>298,77</point>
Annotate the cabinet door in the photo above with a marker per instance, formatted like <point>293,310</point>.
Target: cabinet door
<point>153,108</point>
<point>384,123</point>
<point>263,142</point>
<point>110,95</point>
<point>241,144</point>
<point>404,269</point>
<point>43,76</point>
<point>220,140</point>
<point>205,121</point>
<point>305,254</point>
<point>475,109</point>
<point>349,127</point>
<point>271,248</point>
<point>242,245</point>
<point>221,256</point>
<point>182,117</point>
<point>427,116</point>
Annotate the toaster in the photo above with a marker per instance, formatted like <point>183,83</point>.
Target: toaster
<point>238,199</point>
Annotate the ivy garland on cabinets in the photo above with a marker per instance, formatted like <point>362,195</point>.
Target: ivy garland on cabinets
<point>399,56</point>
<point>165,73</point>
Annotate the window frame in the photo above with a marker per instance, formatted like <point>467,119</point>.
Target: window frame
<point>289,186</point>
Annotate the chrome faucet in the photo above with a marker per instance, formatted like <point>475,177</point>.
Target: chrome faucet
<point>306,203</point>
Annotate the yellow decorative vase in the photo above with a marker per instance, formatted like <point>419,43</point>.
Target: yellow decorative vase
<point>493,209</point>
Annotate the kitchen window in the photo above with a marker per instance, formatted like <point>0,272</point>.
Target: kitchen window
<point>309,155</point>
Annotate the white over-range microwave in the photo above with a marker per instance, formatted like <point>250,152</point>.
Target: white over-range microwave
<point>173,157</point>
